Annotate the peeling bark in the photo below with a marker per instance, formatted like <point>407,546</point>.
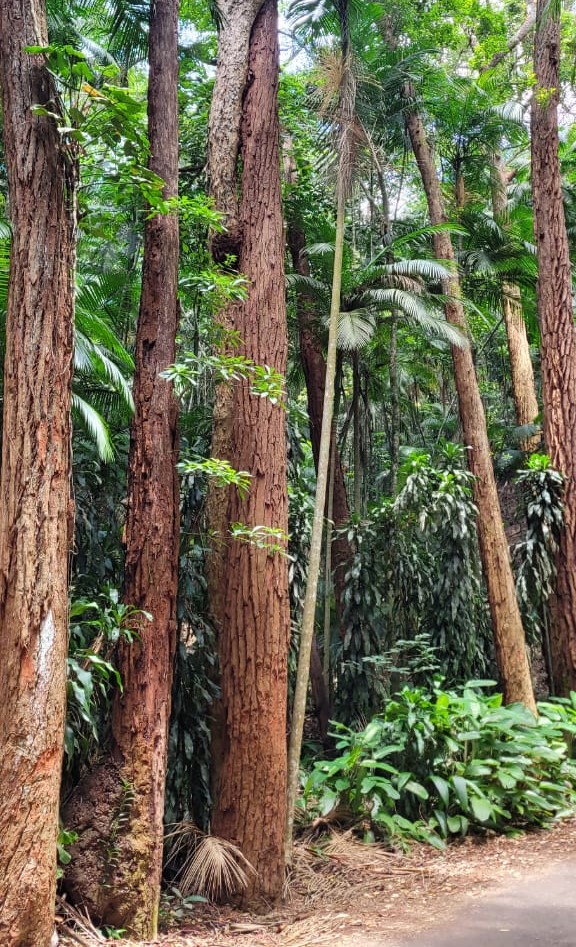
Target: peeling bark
<point>237,18</point>
<point>557,336</point>
<point>116,867</point>
<point>250,798</point>
<point>36,510</point>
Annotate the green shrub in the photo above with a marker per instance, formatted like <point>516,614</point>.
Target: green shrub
<point>435,765</point>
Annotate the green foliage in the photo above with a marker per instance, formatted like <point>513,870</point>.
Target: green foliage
<point>96,627</point>
<point>535,556</point>
<point>415,571</point>
<point>437,764</point>
<point>64,857</point>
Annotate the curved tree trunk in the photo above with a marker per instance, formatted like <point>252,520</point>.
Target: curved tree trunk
<point>506,622</point>
<point>253,641</point>
<point>36,512</point>
<point>522,372</point>
<point>118,878</point>
<point>557,337</point>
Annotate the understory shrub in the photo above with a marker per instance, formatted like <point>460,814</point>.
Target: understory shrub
<point>442,763</point>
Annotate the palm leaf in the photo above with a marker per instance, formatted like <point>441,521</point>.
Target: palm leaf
<point>94,424</point>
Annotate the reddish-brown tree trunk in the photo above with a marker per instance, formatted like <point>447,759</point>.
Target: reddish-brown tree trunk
<point>253,641</point>
<point>118,878</point>
<point>36,513</point>
<point>506,621</point>
<point>141,713</point>
<point>557,338</point>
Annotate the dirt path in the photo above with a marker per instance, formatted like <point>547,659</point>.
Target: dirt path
<point>346,894</point>
<point>536,912</point>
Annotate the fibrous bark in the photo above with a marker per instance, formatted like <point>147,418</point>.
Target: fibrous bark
<point>36,511</point>
<point>557,338</point>
<point>118,877</point>
<point>237,18</point>
<point>250,796</point>
<point>506,622</point>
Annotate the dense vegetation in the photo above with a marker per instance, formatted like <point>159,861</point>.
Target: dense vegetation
<point>288,438</point>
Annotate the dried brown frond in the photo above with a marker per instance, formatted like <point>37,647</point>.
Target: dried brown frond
<point>327,78</point>
<point>210,866</point>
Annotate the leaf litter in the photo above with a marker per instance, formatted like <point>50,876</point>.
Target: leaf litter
<point>343,893</point>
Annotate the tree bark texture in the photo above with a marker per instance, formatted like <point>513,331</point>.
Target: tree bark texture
<point>557,338</point>
<point>522,372</point>
<point>253,641</point>
<point>36,511</point>
<point>314,365</point>
<point>118,879</point>
<point>237,19</point>
<point>506,622</point>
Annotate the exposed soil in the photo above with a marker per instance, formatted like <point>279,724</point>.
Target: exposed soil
<point>346,894</point>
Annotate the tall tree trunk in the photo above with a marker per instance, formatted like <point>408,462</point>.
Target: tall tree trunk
<point>522,372</point>
<point>253,641</point>
<point>127,864</point>
<point>557,337</point>
<point>236,22</point>
<point>141,713</point>
<point>357,434</point>
<point>506,621</point>
<point>394,402</point>
<point>36,510</point>
<point>347,98</point>
<point>314,365</point>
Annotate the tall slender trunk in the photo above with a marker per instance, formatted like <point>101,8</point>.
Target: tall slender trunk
<point>394,403</point>
<point>314,365</point>
<point>347,96</point>
<point>128,861</point>
<point>36,510</point>
<point>357,434</point>
<point>253,641</point>
<point>141,713</point>
<point>506,621</point>
<point>522,372</point>
<point>557,336</point>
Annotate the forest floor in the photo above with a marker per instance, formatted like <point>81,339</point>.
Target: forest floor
<point>347,894</point>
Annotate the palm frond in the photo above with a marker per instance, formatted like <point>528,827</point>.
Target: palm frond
<point>210,866</point>
<point>95,426</point>
<point>355,329</point>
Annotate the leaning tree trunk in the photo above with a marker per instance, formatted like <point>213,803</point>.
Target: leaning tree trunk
<point>521,370</point>
<point>506,622</point>
<point>127,864</point>
<point>314,366</point>
<point>36,510</point>
<point>557,338</point>
<point>250,798</point>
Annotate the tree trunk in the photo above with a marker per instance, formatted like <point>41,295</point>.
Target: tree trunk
<point>394,403</point>
<point>127,864</point>
<point>236,22</point>
<point>253,641</point>
<point>314,365</point>
<point>36,510</point>
<point>557,337</point>
<point>357,435</point>
<point>522,372</point>
<point>506,622</point>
